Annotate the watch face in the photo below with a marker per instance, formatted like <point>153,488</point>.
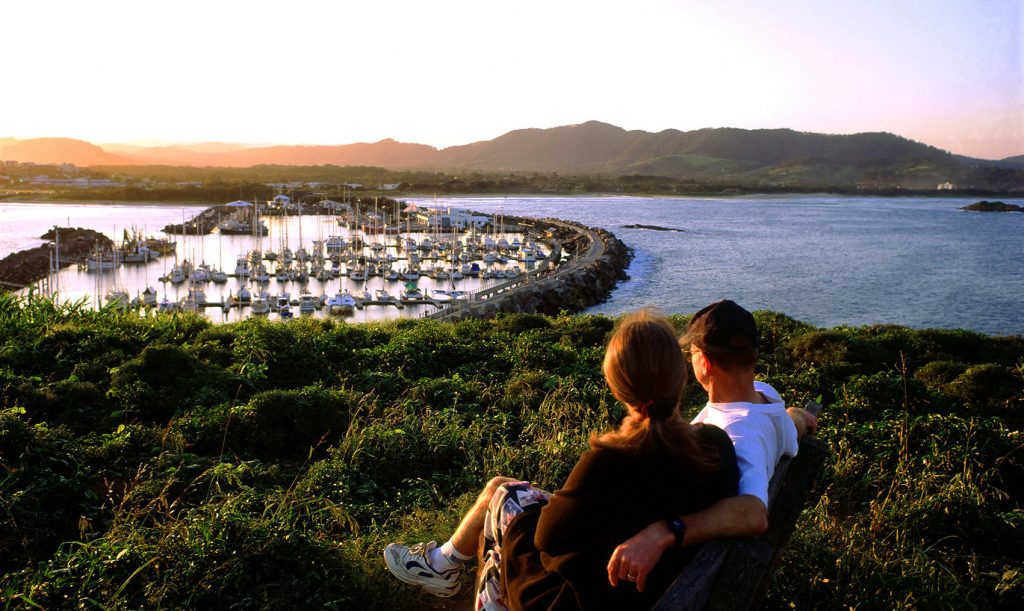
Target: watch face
<point>678,528</point>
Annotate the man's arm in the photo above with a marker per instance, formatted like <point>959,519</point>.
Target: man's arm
<point>734,516</point>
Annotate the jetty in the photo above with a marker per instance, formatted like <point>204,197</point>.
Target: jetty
<point>582,267</point>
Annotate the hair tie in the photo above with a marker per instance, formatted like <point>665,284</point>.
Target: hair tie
<point>643,407</point>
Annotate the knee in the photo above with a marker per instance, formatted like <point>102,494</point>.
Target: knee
<point>495,483</point>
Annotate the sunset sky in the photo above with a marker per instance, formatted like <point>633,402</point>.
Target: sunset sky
<point>945,72</point>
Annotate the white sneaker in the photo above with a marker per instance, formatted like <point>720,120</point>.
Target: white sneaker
<point>412,565</point>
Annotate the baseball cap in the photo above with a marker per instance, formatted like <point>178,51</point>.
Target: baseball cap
<point>723,327</point>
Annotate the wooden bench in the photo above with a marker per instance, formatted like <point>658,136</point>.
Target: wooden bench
<point>734,573</point>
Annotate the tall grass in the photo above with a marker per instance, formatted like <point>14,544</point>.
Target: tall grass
<point>168,463</point>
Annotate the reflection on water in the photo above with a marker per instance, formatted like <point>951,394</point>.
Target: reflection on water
<point>221,251</point>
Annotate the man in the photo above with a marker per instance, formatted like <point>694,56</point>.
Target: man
<point>722,342</point>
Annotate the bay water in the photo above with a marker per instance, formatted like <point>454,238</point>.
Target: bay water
<point>823,259</point>
<point>827,260</point>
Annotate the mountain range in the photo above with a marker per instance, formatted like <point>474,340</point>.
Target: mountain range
<point>764,156</point>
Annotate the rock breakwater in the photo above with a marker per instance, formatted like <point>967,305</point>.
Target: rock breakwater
<point>24,267</point>
<point>589,263</point>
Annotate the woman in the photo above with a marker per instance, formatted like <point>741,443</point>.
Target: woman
<point>552,551</point>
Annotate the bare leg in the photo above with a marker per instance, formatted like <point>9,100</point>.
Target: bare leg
<point>466,539</point>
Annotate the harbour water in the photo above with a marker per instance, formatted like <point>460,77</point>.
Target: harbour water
<point>24,223</point>
<point>826,260</point>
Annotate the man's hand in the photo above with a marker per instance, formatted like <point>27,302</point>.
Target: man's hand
<point>804,420</point>
<point>634,559</point>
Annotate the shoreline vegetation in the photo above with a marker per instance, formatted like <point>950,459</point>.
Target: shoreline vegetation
<point>217,185</point>
<point>168,462</point>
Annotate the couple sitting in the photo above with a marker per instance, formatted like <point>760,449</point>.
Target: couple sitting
<point>624,524</point>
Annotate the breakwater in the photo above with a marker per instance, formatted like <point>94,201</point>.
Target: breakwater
<point>584,266</point>
<point>25,267</point>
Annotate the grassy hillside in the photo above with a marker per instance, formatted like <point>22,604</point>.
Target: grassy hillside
<point>172,463</point>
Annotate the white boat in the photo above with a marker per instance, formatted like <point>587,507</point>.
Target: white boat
<point>242,269</point>
<point>335,244</point>
<point>260,306</point>
<point>102,262</point>
<point>308,303</point>
<point>440,296</point>
<point>342,303</point>
<point>259,274</point>
<point>195,299</point>
<point>243,296</point>
<point>219,276</point>
<point>117,298</point>
<point>149,297</point>
<point>177,275</point>
<point>383,295</point>
<point>412,294</point>
<point>284,309</point>
<point>139,254</point>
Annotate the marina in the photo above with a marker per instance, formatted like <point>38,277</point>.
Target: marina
<point>359,265</point>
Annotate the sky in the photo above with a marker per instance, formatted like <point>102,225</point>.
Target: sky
<point>949,73</point>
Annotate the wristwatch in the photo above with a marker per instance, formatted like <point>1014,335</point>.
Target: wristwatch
<point>678,528</point>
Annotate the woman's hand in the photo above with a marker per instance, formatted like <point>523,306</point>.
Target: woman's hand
<point>634,559</point>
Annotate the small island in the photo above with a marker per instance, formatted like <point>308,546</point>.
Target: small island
<point>986,206</point>
<point>652,227</point>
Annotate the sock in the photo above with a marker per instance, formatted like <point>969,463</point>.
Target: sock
<point>446,557</point>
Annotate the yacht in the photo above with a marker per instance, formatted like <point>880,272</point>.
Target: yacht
<point>260,306</point>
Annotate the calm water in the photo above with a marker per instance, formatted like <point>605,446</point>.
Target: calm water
<point>826,260</point>
<point>22,224</point>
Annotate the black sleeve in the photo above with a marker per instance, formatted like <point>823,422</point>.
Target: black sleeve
<point>726,482</point>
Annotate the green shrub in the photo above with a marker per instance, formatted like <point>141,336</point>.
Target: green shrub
<point>291,423</point>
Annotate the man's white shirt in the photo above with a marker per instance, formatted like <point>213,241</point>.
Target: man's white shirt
<point>761,433</point>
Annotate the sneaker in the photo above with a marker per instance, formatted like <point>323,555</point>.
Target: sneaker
<point>412,565</point>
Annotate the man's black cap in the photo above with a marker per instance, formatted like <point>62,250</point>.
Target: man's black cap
<point>723,327</point>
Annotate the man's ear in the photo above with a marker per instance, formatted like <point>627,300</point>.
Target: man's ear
<point>705,362</point>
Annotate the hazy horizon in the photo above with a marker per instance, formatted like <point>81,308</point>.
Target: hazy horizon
<point>946,73</point>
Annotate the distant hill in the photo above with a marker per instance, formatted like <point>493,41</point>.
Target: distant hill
<point>764,157</point>
<point>59,150</point>
<point>1013,162</point>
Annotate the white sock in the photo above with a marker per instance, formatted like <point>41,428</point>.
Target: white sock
<point>446,557</point>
